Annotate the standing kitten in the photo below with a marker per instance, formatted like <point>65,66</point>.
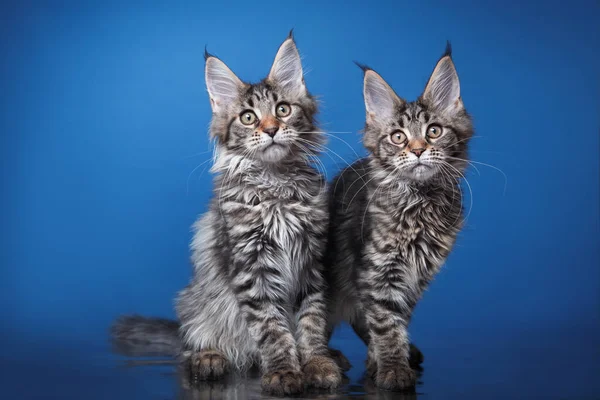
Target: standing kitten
<point>257,295</point>
<point>396,214</point>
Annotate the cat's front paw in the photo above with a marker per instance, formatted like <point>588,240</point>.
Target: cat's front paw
<point>207,365</point>
<point>282,382</point>
<point>322,372</point>
<point>399,377</point>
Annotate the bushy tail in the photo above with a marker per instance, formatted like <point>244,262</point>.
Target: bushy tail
<point>137,336</point>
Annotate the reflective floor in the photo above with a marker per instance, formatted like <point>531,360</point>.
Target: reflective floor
<point>560,364</point>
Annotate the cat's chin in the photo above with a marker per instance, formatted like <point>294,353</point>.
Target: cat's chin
<point>422,172</point>
<point>274,153</point>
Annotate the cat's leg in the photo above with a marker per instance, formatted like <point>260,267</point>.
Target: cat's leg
<point>320,370</point>
<point>359,326</point>
<point>387,322</point>
<point>268,323</point>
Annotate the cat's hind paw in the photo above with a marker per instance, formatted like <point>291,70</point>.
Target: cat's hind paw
<point>340,359</point>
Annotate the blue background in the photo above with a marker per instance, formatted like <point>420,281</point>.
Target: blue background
<point>103,127</point>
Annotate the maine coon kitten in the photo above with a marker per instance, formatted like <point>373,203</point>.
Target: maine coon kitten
<point>257,294</point>
<point>396,214</point>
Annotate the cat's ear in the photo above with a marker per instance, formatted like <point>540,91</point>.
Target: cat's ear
<point>442,91</point>
<point>286,70</point>
<point>380,99</point>
<point>222,84</point>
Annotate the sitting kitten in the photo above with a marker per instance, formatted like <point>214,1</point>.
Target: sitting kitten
<point>396,214</point>
<point>257,295</point>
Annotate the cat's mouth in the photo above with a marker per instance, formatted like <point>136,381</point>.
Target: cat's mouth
<point>420,167</point>
<point>274,152</point>
<point>422,171</point>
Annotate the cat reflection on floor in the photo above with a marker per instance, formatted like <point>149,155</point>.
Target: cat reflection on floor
<point>248,387</point>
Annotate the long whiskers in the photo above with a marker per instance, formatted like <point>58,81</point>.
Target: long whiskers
<point>319,165</point>
<point>362,224</point>
<point>453,168</point>
<point>472,163</point>
<point>187,182</point>
<point>447,173</point>
<point>365,184</point>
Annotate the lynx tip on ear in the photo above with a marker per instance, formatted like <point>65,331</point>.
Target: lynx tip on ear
<point>363,67</point>
<point>448,51</point>
<point>207,55</point>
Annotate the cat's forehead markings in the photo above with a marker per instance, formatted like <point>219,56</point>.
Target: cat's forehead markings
<point>404,118</point>
<point>261,93</point>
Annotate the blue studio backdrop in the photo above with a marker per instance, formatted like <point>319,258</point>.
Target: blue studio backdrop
<point>105,157</point>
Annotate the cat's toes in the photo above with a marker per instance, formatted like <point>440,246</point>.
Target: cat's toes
<point>399,377</point>
<point>282,382</point>
<point>340,359</point>
<point>207,365</point>
<point>322,372</point>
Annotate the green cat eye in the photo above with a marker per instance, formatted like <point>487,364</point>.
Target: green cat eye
<point>434,131</point>
<point>283,109</point>
<point>248,118</point>
<point>398,137</point>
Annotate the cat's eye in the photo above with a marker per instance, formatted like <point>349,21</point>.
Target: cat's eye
<point>434,131</point>
<point>398,137</point>
<point>283,109</point>
<point>248,118</point>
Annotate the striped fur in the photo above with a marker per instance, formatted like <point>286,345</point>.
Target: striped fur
<point>257,294</point>
<point>395,216</point>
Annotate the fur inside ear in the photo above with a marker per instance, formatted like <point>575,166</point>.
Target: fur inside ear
<point>380,99</point>
<point>287,68</point>
<point>222,84</point>
<point>443,88</point>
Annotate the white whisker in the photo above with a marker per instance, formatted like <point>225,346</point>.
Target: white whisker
<point>485,165</point>
<point>187,182</point>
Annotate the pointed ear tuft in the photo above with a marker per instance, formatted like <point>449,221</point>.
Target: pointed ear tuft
<point>287,68</point>
<point>363,67</point>
<point>442,91</point>
<point>380,99</point>
<point>207,55</point>
<point>448,51</point>
<point>222,84</point>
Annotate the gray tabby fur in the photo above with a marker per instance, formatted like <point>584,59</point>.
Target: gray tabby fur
<point>395,216</point>
<point>257,294</point>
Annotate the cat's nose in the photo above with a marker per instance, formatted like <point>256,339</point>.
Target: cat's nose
<point>270,130</point>
<point>418,152</point>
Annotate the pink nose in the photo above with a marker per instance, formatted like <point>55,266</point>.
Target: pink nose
<point>271,130</point>
<point>417,152</point>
